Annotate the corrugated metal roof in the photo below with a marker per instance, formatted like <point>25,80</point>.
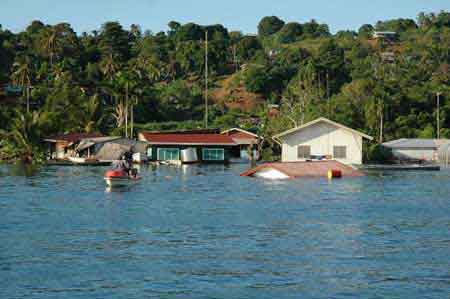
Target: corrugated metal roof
<point>239,132</point>
<point>72,137</point>
<point>416,143</point>
<point>307,169</point>
<point>242,137</point>
<point>322,119</point>
<point>188,139</point>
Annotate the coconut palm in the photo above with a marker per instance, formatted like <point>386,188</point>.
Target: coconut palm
<point>25,134</point>
<point>57,39</point>
<point>91,118</point>
<point>51,42</point>
<point>23,70</point>
<point>109,67</point>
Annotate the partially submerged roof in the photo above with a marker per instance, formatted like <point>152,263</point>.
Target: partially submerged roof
<point>325,120</point>
<point>187,139</point>
<point>307,169</point>
<point>72,137</point>
<point>416,143</point>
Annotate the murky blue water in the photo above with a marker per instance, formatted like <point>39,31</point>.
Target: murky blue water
<point>205,232</point>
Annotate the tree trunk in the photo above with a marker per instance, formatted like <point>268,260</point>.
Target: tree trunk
<point>28,99</point>
<point>132,120</point>
<point>381,122</point>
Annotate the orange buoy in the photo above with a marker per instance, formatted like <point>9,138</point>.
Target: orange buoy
<point>334,174</point>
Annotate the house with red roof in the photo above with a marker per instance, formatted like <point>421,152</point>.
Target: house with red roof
<point>188,147</point>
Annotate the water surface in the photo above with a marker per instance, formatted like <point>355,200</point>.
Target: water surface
<point>205,232</point>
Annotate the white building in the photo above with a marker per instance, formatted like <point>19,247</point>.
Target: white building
<point>416,149</point>
<point>384,34</point>
<point>322,138</point>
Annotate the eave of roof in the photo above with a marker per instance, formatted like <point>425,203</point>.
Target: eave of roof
<point>240,130</point>
<point>190,143</point>
<point>72,137</point>
<point>322,119</point>
<point>188,139</point>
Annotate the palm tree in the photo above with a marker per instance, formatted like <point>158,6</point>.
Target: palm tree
<point>51,42</point>
<point>109,67</point>
<point>22,74</point>
<point>25,134</point>
<point>58,38</point>
<point>145,67</point>
<point>90,118</point>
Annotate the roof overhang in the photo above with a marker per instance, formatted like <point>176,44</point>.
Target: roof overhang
<point>242,131</point>
<point>55,141</point>
<point>192,144</point>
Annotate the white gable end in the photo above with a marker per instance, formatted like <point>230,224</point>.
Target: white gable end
<point>323,138</point>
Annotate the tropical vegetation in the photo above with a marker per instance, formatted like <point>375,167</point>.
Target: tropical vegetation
<point>54,80</point>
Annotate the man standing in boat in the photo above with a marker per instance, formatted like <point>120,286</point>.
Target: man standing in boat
<point>125,164</point>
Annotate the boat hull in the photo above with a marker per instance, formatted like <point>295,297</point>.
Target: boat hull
<point>121,182</point>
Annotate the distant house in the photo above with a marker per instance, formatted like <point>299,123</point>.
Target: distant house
<point>389,35</point>
<point>416,149</point>
<point>322,139</point>
<point>63,146</point>
<point>246,143</point>
<point>188,147</point>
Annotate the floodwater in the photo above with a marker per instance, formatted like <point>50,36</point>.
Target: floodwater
<point>205,232</point>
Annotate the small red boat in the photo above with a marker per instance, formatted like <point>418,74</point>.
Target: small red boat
<point>121,178</point>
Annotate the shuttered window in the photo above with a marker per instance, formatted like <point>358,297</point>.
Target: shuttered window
<point>340,152</point>
<point>304,152</point>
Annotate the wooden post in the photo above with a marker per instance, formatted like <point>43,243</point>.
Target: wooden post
<point>132,120</point>
<point>126,110</point>
<point>438,120</point>
<point>206,79</point>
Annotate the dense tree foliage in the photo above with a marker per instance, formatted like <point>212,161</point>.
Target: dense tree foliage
<point>54,80</point>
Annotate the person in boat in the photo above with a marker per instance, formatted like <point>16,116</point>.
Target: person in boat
<point>127,162</point>
<point>124,163</point>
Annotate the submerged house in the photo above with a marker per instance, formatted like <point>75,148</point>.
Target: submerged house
<point>313,169</point>
<point>246,144</point>
<point>322,139</point>
<point>64,145</point>
<point>416,149</point>
<point>188,147</point>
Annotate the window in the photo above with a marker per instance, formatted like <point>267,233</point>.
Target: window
<point>213,154</point>
<point>304,152</point>
<point>150,153</point>
<point>340,152</point>
<point>168,154</point>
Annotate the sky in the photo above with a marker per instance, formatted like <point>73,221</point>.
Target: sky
<point>242,15</point>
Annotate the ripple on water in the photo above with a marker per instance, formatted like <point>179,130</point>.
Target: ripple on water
<point>205,232</point>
